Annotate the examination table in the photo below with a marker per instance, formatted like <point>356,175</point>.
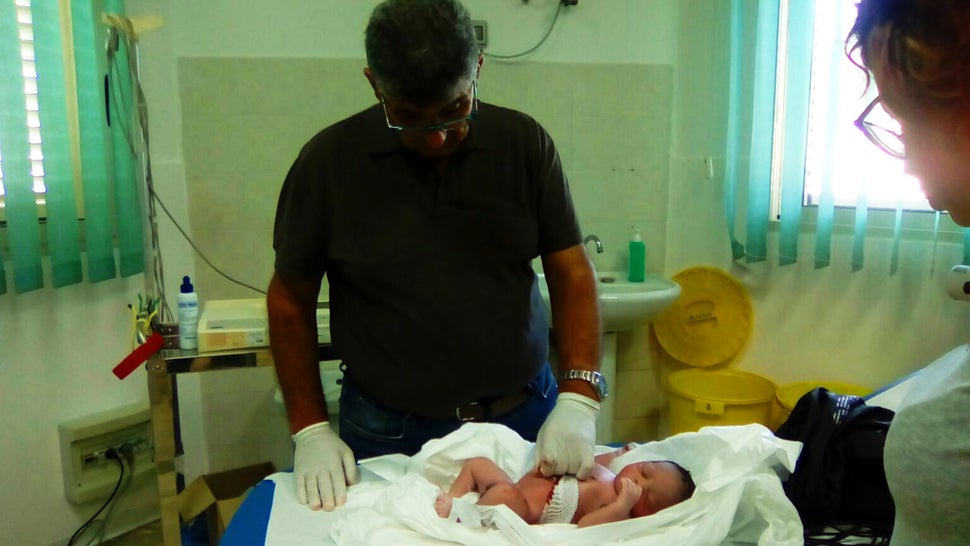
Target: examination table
<point>741,454</point>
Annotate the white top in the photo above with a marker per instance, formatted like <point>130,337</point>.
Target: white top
<point>927,455</point>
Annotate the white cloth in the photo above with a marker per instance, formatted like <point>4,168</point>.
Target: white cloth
<point>739,498</point>
<point>564,502</point>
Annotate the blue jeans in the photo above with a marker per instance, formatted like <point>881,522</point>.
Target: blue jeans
<point>372,429</point>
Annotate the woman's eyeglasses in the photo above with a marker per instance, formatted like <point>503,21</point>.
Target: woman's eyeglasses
<point>887,140</point>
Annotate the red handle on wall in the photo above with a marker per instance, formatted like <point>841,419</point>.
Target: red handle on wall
<point>139,355</point>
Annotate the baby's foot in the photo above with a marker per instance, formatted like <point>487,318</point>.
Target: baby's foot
<point>442,505</point>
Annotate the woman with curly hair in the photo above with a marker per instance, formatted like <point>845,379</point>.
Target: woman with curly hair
<point>917,52</point>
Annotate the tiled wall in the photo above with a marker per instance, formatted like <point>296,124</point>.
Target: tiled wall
<point>244,121</point>
<point>640,401</point>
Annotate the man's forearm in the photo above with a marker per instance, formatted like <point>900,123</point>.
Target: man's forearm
<point>576,319</point>
<point>293,341</point>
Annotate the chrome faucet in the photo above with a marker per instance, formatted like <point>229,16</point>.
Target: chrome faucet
<point>596,240</point>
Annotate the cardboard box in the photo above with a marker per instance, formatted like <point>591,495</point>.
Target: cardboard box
<point>219,495</point>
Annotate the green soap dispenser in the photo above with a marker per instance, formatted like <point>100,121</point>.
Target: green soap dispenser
<point>638,258</point>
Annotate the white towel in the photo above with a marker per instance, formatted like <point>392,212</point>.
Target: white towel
<point>739,498</point>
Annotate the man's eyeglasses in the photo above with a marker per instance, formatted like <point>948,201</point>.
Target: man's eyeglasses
<point>451,125</point>
<point>887,140</point>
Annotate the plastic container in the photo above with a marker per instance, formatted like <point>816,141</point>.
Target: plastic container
<point>699,398</point>
<point>638,258</point>
<point>188,315</point>
<point>788,395</point>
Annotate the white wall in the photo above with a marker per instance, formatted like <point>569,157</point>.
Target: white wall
<point>57,350</point>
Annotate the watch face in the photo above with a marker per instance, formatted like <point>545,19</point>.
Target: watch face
<point>601,385</point>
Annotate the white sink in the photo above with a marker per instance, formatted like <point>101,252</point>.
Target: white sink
<point>625,305</point>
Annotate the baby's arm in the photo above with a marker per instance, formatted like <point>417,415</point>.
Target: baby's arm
<point>618,510</point>
<point>605,459</point>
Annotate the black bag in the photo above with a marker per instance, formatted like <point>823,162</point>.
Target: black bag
<point>839,482</point>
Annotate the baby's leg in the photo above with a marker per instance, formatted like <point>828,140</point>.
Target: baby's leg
<point>510,495</point>
<point>442,504</point>
<point>478,474</point>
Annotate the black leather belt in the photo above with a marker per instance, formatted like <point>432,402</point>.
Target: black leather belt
<point>487,408</point>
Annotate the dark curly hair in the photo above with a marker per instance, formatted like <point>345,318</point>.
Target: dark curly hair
<point>928,43</point>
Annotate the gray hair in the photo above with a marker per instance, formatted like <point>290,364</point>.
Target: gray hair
<point>423,51</point>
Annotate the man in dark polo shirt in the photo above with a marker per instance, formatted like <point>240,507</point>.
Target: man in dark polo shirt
<point>425,212</point>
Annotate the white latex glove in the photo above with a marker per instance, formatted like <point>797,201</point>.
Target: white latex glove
<point>324,466</point>
<point>565,441</point>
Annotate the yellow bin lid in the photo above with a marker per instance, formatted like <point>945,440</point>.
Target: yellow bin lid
<point>711,320</point>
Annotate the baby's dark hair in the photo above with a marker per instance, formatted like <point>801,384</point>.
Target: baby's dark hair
<point>687,485</point>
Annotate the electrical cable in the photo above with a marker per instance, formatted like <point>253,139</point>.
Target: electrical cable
<point>110,454</point>
<point>123,29</point>
<point>199,252</point>
<point>127,33</point>
<point>533,48</point>
<point>125,450</point>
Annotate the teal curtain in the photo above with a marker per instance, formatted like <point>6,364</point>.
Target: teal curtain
<point>754,36</point>
<point>94,141</point>
<point>123,104</point>
<point>798,84</point>
<point>762,131</point>
<point>736,124</point>
<point>23,231</point>
<point>63,232</point>
<point>112,214</point>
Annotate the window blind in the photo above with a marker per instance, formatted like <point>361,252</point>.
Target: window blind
<point>62,164</point>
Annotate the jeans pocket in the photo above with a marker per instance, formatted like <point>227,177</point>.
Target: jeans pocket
<point>363,418</point>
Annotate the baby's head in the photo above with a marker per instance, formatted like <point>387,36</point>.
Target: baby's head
<point>664,483</point>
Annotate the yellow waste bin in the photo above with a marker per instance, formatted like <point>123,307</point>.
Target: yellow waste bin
<point>788,396</point>
<point>699,398</point>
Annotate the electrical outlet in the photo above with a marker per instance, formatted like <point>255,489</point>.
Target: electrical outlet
<point>481,32</point>
<point>89,474</point>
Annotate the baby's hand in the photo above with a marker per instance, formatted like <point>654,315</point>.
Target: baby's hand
<point>629,492</point>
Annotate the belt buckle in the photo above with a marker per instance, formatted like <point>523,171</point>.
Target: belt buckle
<point>466,419</point>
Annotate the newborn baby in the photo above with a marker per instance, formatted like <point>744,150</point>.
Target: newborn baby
<point>640,489</point>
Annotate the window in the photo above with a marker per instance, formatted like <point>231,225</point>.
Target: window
<point>837,154</point>
<point>791,144</point>
<point>56,75</point>
<point>28,62</point>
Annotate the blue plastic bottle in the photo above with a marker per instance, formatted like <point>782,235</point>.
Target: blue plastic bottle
<point>638,258</point>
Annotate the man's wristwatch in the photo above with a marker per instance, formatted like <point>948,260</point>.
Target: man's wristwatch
<point>596,379</point>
